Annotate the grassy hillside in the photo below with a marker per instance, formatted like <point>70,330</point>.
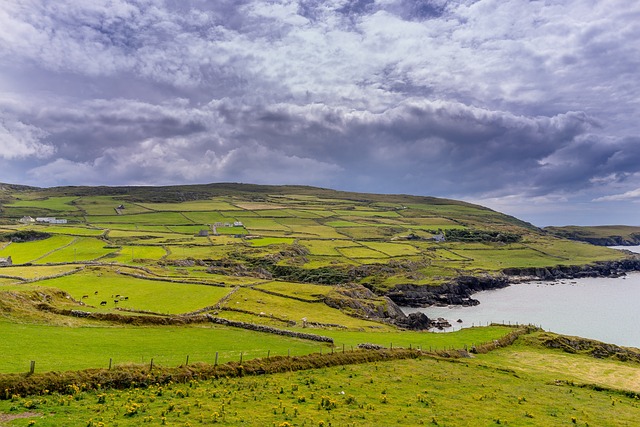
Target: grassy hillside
<point>291,233</point>
<point>143,279</point>
<point>605,235</point>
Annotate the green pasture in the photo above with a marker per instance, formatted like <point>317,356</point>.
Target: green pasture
<point>321,212</point>
<point>393,249</point>
<point>361,252</point>
<point>434,222</point>
<point>239,214</point>
<point>314,231</point>
<point>54,204</point>
<point>37,271</point>
<point>411,392</point>
<point>147,295</point>
<point>423,340</point>
<point>81,249</point>
<point>315,261</point>
<point>56,348</point>
<point>368,213</point>
<point>153,218</point>
<point>286,308</point>
<point>369,232</point>
<point>299,290</point>
<point>326,247</point>
<point>270,224</point>
<point>106,205</point>
<point>267,241</point>
<point>306,213</point>
<point>231,231</point>
<point>275,213</point>
<point>527,357</point>
<point>198,252</point>
<point>30,251</point>
<point>257,206</point>
<point>128,254</point>
<point>576,252</point>
<point>497,259</point>
<point>70,230</point>
<point>344,223</point>
<point>207,217</point>
<point>191,206</point>
<point>188,229</point>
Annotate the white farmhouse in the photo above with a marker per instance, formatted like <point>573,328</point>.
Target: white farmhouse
<point>26,220</point>
<point>51,220</point>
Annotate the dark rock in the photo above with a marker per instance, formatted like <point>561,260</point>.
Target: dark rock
<point>460,289</point>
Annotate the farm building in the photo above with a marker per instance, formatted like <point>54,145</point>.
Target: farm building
<point>26,220</point>
<point>5,262</point>
<point>51,220</point>
<point>238,224</point>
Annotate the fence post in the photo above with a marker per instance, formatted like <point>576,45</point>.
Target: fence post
<point>32,368</point>
<point>241,358</point>
<point>268,353</point>
<point>151,364</point>
<point>342,348</point>
<point>187,362</point>
<point>110,362</point>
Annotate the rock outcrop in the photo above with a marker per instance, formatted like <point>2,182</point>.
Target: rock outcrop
<point>460,290</point>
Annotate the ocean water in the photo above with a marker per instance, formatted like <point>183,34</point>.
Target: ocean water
<point>605,309</point>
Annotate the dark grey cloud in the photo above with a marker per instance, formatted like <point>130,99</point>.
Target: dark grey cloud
<point>503,102</point>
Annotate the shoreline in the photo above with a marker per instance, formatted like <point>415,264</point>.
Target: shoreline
<point>460,290</point>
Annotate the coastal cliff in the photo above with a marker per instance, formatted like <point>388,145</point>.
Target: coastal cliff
<point>460,290</point>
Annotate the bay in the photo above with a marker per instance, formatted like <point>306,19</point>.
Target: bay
<point>605,309</point>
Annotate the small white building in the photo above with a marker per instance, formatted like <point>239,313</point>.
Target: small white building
<point>238,224</point>
<point>5,262</point>
<point>27,220</point>
<point>51,220</point>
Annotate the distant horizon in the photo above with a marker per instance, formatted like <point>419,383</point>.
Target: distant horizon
<point>313,186</point>
<point>529,108</point>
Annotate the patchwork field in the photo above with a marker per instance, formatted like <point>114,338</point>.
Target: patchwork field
<point>133,277</point>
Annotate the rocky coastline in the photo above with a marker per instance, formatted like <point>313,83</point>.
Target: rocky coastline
<point>460,290</point>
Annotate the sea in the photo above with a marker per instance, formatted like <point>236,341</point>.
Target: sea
<point>604,309</point>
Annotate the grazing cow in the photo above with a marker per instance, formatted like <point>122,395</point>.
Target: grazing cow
<point>115,301</point>
<point>85,296</point>
<point>103,303</point>
<point>95,293</point>
<point>124,298</point>
<point>118,296</point>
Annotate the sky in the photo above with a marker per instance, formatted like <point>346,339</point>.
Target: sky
<point>531,108</point>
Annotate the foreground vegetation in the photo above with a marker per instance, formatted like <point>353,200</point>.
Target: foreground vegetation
<point>148,282</point>
<point>413,389</point>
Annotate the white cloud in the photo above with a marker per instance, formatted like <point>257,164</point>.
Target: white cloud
<point>20,140</point>
<point>628,195</point>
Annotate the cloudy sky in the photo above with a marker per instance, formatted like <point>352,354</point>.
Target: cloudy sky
<point>529,107</point>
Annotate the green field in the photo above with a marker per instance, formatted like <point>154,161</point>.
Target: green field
<point>155,296</point>
<point>32,251</point>
<point>124,286</point>
<point>484,390</point>
<point>57,348</point>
